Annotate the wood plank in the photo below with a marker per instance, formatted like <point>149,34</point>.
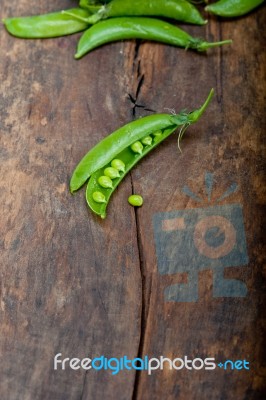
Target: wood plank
<point>66,285</point>
<point>75,285</point>
<point>227,144</point>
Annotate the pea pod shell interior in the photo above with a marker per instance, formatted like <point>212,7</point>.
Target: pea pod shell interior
<point>130,159</point>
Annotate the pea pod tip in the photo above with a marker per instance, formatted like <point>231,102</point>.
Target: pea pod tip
<point>72,189</point>
<point>78,55</point>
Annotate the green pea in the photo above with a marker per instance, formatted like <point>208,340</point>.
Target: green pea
<point>135,200</point>
<point>118,164</point>
<point>147,141</point>
<point>111,172</point>
<point>98,197</point>
<point>137,147</point>
<point>157,134</point>
<point>105,182</point>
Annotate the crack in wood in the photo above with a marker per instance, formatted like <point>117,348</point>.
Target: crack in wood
<point>134,100</point>
<point>143,310</point>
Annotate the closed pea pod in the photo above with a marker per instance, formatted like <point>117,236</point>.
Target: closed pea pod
<point>115,29</point>
<point>233,8</point>
<point>180,10</point>
<point>48,25</point>
<point>117,146</point>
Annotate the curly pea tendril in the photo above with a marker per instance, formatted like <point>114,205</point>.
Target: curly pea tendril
<point>108,162</point>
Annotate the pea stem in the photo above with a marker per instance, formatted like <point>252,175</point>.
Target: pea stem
<point>204,45</point>
<point>92,19</point>
<point>193,117</point>
<point>198,113</point>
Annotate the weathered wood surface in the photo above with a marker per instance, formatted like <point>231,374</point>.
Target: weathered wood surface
<point>76,285</point>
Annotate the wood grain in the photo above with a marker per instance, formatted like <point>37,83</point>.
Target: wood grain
<point>75,285</point>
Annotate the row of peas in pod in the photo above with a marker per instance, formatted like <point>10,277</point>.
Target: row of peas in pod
<point>109,21</point>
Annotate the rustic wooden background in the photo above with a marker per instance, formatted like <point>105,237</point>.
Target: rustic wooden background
<point>74,284</point>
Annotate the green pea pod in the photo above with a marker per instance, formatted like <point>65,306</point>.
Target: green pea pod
<point>118,146</point>
<point>86,3</point>
<point>180,10</point>
<point>114,29</point>
<point>48,25</point>
<point>233,8</point>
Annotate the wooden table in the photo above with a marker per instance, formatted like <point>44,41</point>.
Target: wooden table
<point>141,282</point>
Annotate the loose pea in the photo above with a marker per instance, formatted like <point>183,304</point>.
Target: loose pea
<point>98,197</point>
<point>147,141</point>
<point>118,164</point>
<point>111,172</point>
<point>135,200</point>
<point>137,147</point>
<point>105,182</point>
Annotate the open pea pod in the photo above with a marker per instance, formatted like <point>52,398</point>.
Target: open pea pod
<point>107,163</point>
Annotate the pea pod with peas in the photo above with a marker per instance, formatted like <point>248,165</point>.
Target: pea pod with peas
<point>122,150</point>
